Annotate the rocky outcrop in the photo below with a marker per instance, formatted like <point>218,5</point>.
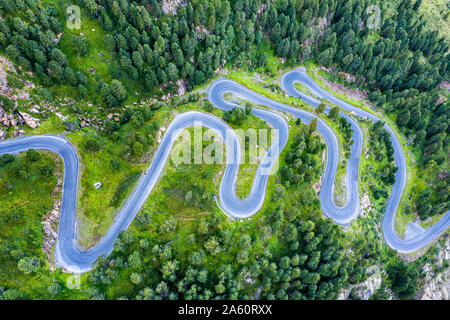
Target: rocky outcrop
<point>444,85</point>
<point>365,289</point>
<point>202,32</point>
<point>361,95</point>
<point>29,120</point>
<point>13,118</point>
<point>6,67</point>
<point>159,134</point>
<point>113,116</point>
<point>318,185</point>
<point>181,87</point>
<point>170,6</point>
<point>437,286</point>
<point>2,131</point>
<point>50,223</point>
<point>368,287</point>
<point>13,121</point>
<point>365,203</point>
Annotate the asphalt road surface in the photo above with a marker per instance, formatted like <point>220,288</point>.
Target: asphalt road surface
<point>69,256</point>
<point>390,235</point>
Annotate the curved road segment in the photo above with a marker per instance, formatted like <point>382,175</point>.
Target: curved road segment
<point>390,235</point>
<point>73,259</point>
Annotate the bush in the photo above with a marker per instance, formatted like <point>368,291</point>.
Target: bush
<point>29,264</point>
<point>403,279</point>
<point>6,158</point>
<point>5,187</point>
<point>32,155</point>
<point>54,289</point>
<point>14,82</point>
<point>123,188</point>
<point>135,278</point>
<point>91,144</point>
<point>138,149</point>
<point>44,94</point>
<point>115,164</point>
<point>6,103</point>
<point>334,112</point>
<point>47,169</point>
<point>321,107</point>
<point>12,294</point>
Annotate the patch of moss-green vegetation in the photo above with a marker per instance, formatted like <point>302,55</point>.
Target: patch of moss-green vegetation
<point>182,251</point>
<point>301,87</point>
<point>255,137</point>
<point>436,13</point>
<point>116,162</point>
<point>28,189</point>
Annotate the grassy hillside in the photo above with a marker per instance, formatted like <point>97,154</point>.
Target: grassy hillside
<point>437,15</point>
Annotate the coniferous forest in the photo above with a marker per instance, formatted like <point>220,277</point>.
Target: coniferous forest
<point>138,52</point>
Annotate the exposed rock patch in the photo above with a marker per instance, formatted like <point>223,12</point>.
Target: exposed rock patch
<point>202,32</point>
<point>50,221</point>
<point>366,289</point>
<point>170,6</point>
<point>445,85</point>
<point>50,224</point>
<point>159,135</point>
<point>318,185</point>
<point>366,205</point>
<point>437,286</point>
<point>29,120</point>
<point>13,118</point>
<point>181,87</point>
<point>6,67</point>
<point>355,94</point>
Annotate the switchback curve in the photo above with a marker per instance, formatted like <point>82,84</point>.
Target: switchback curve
<point>69,256</point>
<point>390,235</point>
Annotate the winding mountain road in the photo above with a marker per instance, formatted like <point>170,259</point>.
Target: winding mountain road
<point>69,256</point>
<point>390,235</point>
